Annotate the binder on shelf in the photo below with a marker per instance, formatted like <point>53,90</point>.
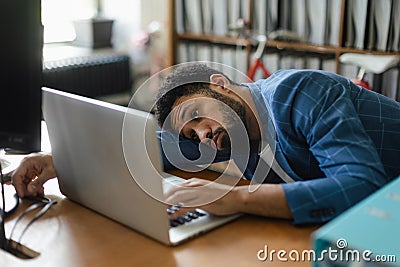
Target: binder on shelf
<point>359,18</point>
<point>300,23</point>
<point>394,33</point>
<point>371,27</point>
<point>284,16</point>
<point>348,27</point>
<point>220,17</point>
<point>349,71</point>
<point>313,63</point>
<point>272,15</point>
<point>217,54</point>
<point>265,15</point>
<point>192,51</point>
<point>390,84</point>
<point>382,20</point>
<point>187,52</point>
<point>260,13</point>
<point>333,22</point>
<point>241,64</point>
<point>287,62</point>
<point>183,53</point>
<point>207,6</point>
<point>179,16</point>
<point>396,23</point>
<point>316,11</point>
<point>234,11</point>
<point>194,20</point>
<point>329,65</point>
<point>228,59</point>
<point>204,52</point>
<point>245,10</point>
<point>299,62</point>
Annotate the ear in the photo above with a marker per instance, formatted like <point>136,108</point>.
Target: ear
<point>220,81</point>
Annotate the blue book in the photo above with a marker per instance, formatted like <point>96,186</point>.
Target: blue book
<point>368,234</point>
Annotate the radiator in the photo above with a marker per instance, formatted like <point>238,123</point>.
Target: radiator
<point>90,76</point>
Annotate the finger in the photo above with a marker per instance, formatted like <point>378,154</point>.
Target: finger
<point>197,182</point>
<point>19,180</point>
<point>20,186</point>
<point>179,213</point>
<point>35,187</point>
<point>185,196</point>
<point>29,177</point>
<point>172,188</point>
<point>190,183</point>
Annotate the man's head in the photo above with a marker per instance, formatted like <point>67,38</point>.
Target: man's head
<point>196,101</point>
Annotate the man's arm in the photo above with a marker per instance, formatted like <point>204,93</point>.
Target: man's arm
<point>323,116</point>
<point>267,200</point>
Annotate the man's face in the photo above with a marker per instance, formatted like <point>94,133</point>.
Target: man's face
<point>207,119</point>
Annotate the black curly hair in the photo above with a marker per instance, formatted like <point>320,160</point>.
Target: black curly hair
<point>185,80</point>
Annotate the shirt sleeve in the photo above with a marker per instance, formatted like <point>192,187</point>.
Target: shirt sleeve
<point>326,119</point>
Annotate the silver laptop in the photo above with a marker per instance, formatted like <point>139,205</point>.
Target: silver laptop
<point>86,137</point>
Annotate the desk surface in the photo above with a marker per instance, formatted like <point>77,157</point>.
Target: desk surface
<point>71,235</point>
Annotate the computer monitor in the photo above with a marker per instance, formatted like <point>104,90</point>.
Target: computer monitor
<point>21,75</point>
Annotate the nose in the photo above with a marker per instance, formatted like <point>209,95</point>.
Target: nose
<point>204,133</point>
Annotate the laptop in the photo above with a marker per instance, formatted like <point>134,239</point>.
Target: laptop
<point>90,151</point>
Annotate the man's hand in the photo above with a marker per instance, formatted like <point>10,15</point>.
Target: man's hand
<point>218,199</point>
<point>32,173</point>
<point>267,200</point>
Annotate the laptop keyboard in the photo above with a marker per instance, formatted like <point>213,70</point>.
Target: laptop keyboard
<point>185,218</point>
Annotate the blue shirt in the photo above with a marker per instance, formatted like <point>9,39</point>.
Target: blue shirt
<point>338,141</point>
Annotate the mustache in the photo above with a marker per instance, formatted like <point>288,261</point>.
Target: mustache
<point>217,132</point>
<point>222,134</point>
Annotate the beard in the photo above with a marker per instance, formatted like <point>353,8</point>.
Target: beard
<point>231,122</point>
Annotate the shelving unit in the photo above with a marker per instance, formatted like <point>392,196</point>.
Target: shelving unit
<point>324,52</point>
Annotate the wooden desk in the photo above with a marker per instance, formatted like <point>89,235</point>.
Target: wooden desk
<point>70,235</point>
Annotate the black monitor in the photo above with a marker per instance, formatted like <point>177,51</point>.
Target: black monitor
<point>21,47</point>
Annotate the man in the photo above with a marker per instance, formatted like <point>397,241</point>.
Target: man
<point>334,142</point>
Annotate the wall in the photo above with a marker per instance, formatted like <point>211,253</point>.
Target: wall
<point>134,19</point>
<point>126,14</point>
<point>149,51</point>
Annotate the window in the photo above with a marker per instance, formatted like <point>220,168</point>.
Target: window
<point>58,17</point>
